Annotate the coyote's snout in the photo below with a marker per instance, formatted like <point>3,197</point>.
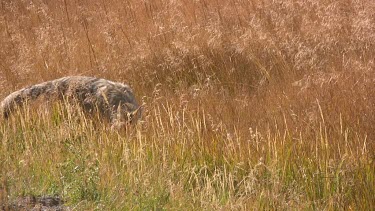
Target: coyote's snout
<point>114,101</point>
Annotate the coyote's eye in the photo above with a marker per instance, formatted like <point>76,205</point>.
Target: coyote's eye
<point>129,117</point>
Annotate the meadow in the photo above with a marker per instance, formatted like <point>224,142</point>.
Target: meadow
<point>249,104</point>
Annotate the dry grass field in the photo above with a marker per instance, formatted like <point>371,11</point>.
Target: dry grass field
<point>249,104</point>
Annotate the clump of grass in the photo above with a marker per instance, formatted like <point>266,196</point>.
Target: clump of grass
<point>249,105</point>
<point>177,160</point>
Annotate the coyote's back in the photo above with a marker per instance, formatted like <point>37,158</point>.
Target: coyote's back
<point>114,101</point>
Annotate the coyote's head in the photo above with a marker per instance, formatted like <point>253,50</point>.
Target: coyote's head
<point>127,114</point>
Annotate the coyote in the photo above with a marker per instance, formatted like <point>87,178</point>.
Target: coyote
<point>112,100</point>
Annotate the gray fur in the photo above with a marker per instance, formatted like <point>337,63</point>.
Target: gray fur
<point>114,101</point>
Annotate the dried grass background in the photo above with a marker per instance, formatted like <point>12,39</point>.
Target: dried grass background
<point>260,75</point>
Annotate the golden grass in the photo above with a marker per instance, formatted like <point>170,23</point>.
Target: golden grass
<point>249,104</point>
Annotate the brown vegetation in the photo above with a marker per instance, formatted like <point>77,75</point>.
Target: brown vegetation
<point>249,104</point>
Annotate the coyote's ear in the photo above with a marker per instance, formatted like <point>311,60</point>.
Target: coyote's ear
<point>135,115</point>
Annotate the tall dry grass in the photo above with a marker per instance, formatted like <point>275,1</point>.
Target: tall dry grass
<point>249,104</point>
